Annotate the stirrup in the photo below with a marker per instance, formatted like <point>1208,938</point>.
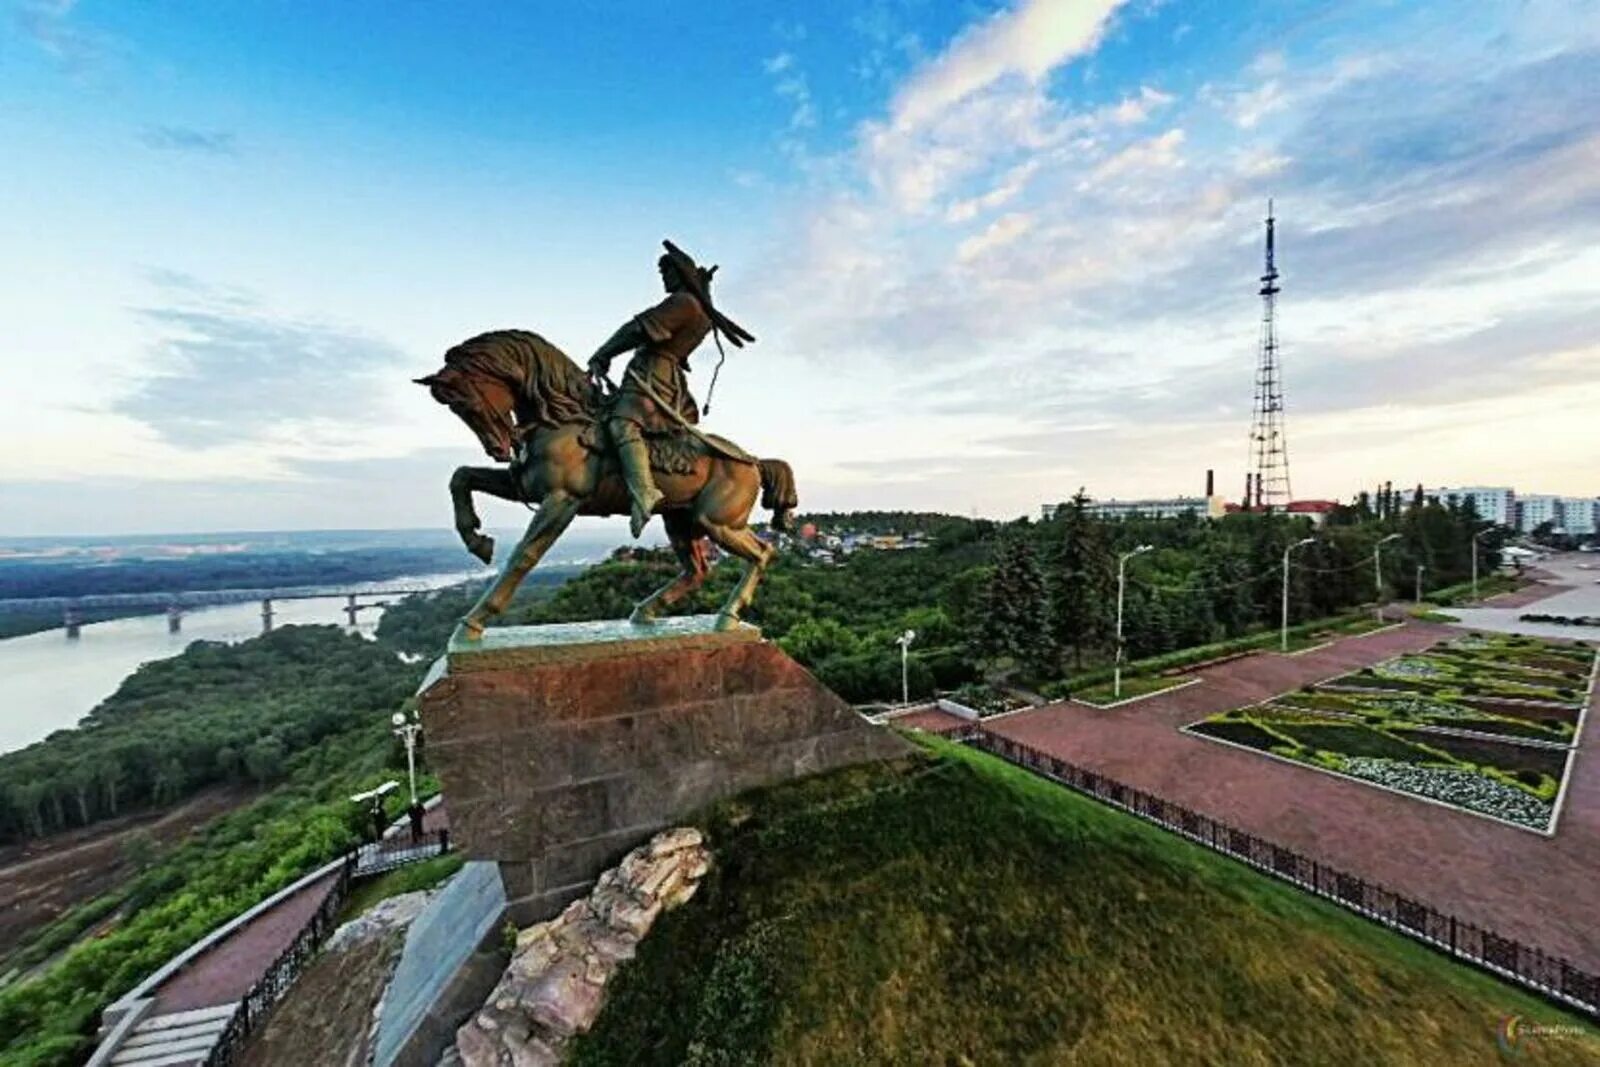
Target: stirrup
<point>639,516</point>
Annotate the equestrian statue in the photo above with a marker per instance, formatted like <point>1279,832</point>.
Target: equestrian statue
<point>574,443</point>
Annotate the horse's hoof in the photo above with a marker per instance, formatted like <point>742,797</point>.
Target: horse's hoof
<point>468,629</point>
<point>726,622</point>
<point>480,545</point>
<point>641,617</point>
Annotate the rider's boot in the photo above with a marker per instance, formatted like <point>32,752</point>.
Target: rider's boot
<point>635,457</point>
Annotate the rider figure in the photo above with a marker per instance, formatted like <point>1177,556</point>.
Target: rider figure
<point>661,340</point>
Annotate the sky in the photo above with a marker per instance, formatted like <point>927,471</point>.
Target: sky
<point>992,252</point>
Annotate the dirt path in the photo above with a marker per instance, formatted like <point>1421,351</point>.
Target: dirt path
<point>1536,889</point>
<point>42,879</point>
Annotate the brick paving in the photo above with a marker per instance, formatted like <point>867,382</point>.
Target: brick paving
<point>1537,889</point>
<point>225,974</point>
<point>930,720</point>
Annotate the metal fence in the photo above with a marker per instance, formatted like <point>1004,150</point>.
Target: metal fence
<point>1548,975</point>
<point>399,850</point>
<point>271,987</point>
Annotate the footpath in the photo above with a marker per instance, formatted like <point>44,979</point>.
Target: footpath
<point>179,1013</point>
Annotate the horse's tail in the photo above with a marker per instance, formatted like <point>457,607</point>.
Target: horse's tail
<point>777,492</point>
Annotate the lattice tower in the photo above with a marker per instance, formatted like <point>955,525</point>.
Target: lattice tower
<point>1269,449</point>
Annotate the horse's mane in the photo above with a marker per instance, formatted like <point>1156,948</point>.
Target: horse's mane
<point>555,389</point>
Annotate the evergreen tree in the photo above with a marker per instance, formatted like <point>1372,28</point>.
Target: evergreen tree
<point>1080,581</point>
<point>1013,612</point>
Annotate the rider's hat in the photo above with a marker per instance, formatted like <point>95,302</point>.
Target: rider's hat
<point>698,279</point>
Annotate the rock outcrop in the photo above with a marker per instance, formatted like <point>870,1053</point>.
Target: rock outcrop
<point>555,985</point>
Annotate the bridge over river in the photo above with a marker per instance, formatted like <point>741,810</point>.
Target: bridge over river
<point>74,610</point>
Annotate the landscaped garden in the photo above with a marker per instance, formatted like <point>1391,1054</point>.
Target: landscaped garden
<point>1485,723</point>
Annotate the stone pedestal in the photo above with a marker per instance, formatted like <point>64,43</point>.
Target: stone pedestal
<point>562,747</point>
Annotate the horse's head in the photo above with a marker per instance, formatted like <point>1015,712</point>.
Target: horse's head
<point>486,403</point>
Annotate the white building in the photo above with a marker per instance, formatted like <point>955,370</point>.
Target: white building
<point>1536,509</point>
<point>1205,507</point>
<point>1578,514</point>
<point>1496,504</point>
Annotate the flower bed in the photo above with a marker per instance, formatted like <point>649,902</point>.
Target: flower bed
<point>1463,789</point>
<point>1453,724</point>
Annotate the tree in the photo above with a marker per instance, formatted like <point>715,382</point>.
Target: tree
<point>1080,581</point>
<point>1013,613</point>
<point>263,760</point>
<point>80,778</point>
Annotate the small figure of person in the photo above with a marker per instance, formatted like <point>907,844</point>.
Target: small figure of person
<point>416,813</point>
<point>376,817</point>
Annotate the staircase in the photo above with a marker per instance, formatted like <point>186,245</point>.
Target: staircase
<point>178,1039</point>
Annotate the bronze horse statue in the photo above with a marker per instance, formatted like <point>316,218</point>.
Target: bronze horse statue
<point>532,407</point>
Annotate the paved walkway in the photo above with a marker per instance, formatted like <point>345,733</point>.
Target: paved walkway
<point>1537,889</point>
<point>225,973</point>
<point>1569,585</point>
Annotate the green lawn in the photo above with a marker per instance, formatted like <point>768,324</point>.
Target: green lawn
<point>952,909</point>
<point>1137,686</point>
<point>424,874</point>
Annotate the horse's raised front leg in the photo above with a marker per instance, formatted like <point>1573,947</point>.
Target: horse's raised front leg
<point>690,547</point>
<point>496,481</point>
<point>743,543</point>
<point>555,515</point>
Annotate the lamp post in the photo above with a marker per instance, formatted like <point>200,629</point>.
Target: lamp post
<point>1283,629</point>
<point>407,730</point>
<point>1420,569</point>
<point>1122,585</point>
<point>1475,537</point>
<point>1377,573</point>
<point>904,641</point>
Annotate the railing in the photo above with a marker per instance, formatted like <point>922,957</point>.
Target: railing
<point>271,987</point>
<point>399,850</point>
<point>1548,975</point>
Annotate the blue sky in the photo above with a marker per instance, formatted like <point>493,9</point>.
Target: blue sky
<point>992,251</point>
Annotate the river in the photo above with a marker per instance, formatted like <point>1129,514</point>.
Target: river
<point>48,682</point>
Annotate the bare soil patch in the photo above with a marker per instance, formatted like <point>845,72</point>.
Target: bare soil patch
<point>40,880</point>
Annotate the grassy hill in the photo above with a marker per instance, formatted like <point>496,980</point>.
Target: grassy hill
<point>953,909</point>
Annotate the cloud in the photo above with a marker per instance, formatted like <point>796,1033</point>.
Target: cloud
<point>224,372</point>
<point>1436,218</point>
<point>51,26</point>
<point>1013,182</point>
<point>1132,110</point>
<point>1001,232</point>
<point>1156,153</point>
<point>188,139</point>
<point>1028,41</point>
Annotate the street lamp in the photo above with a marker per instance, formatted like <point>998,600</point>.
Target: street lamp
<point>1377,573</point>
<point>904,641</point>
<point>1420,569</point>
<point>407,730</point>
<point>1283,630</point>
<point>1475,537</point>
<point>1122,584</point>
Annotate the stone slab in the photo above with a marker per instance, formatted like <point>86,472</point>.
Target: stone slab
<point>562,747</point>
<point>503,647</point>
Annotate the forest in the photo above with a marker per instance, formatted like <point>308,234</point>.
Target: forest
<point>244,570</point>
<point>1033,600</point>
<point>216,713</point>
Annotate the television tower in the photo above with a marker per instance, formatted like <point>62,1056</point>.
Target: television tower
<point>1269,451</point>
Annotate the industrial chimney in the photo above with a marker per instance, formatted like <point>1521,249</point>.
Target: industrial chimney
<point>1211,483</point>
